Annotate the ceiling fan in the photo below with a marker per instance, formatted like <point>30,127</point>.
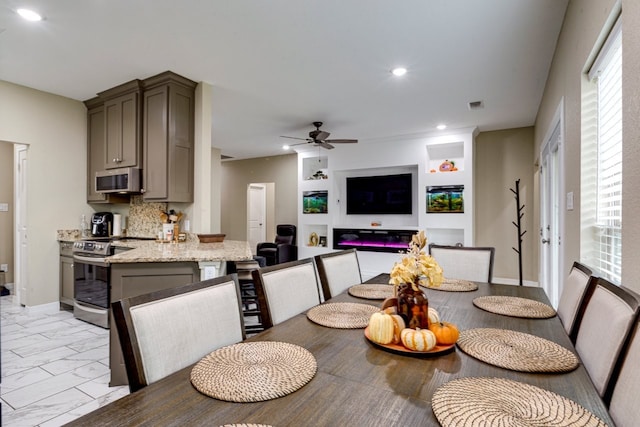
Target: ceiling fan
<point>319,137</point>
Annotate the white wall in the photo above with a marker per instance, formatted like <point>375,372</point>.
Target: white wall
<point>410,154</point>
<point>55,130</point>
<point>584,24</point>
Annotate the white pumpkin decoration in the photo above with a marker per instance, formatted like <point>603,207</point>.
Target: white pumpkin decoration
<point>418,339</point>
<point>433,315</point>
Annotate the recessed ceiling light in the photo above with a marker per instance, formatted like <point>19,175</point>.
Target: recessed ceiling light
<point>285,147</point>
<point>441,127</point>
<point>29,15</point>
<point>400,71</point>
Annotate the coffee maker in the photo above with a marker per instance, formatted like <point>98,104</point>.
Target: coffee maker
<point>101,223</point>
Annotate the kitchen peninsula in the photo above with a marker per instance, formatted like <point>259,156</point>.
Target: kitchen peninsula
<point>151,266</point>
<point>190,251</point>
<point>138,266</point>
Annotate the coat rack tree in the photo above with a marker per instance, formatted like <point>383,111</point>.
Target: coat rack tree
<point>518,225</point>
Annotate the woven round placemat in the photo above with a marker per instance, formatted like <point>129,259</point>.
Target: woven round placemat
<point>516,350</point>
<point>371,291</point>
<point>514,306</point>
<point>472,402</point>
<point>253,371</point>
<point>342,315</point>
<point>456,285</point>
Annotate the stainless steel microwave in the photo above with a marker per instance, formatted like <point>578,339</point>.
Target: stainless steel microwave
<point>122,180</point>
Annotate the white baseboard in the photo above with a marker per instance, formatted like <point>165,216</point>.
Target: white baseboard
<point>49,308</point>
<point>505,281</point>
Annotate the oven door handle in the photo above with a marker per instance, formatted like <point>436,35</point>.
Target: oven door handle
<point>100,262</point>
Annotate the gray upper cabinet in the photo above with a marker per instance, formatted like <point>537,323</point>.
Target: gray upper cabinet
<point>147,124</point>
<point>95,148</point>
<point>122,109</point>
<point>168,138</point>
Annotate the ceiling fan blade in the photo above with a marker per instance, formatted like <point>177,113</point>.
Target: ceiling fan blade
<point>342,141</point>
<point>321,135</point>
<point>293,137</point>
<point>299,143</point>
<point>324,145</point>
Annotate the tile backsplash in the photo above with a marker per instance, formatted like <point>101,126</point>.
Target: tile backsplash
<point>144,217</point>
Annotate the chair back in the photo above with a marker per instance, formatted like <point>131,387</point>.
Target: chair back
<point>575,288</point>
<point>338,271</point>
<point>464,262</point>
<point>286,233</point>
<point>623,407</point>
<point>609,314</point>
<point>285,290</point>
<point>165,331</point>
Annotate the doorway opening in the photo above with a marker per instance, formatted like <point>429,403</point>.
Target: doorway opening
<point>260,213</point>
<point>13,221</point>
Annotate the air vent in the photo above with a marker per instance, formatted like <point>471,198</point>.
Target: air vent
<point>476,105</point>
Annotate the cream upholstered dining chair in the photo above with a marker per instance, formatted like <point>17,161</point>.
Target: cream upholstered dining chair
<point>285,290</point>
<point>338,271</point>
<point>165,331</point>
<point>577,285</point>
<point>609,313</point>
<point>464,262</point>
<point>623,395</point>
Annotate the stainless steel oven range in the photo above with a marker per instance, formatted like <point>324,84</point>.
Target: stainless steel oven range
<point>91,281</point>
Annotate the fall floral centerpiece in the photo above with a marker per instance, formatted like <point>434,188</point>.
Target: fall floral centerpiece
<point>415,269</point>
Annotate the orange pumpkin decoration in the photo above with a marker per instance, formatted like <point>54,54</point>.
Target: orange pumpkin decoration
<point>446,333</point>
<point>446,166</point>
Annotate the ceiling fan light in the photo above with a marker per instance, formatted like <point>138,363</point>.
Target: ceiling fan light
<point>29,15</point>
<point>399,71</point>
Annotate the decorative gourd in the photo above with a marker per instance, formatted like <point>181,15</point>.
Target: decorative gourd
<point>434,317</point>
<point>381,327</point>
<point>446,333</point>
<point>398,327</point>
<point>447,166</point>
<point>418,339</point>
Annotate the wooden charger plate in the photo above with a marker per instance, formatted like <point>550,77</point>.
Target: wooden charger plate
<point>438,350</point>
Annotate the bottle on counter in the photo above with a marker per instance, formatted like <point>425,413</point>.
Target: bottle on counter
<point>84,226</point>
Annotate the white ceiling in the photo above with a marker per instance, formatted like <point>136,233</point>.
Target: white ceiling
<point>277,65</point>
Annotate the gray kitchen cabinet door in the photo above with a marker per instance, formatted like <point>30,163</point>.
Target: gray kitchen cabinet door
<point>95,150</point>
<point>122,119</point>
<point>168,146</point>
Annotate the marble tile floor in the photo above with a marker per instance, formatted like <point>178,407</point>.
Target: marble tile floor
<point>54,368</point>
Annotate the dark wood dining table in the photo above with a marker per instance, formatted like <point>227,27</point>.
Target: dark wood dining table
<point>357,383</point>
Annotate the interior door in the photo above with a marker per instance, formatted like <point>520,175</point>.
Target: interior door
<point>550,220</point>
<point>256,216</point>
<point>20,253</point>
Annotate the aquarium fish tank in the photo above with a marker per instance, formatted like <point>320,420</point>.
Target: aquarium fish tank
<point>445,199</point>
<point>314,202</point>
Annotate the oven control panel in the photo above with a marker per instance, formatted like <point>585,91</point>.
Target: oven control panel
<point>89,247</point>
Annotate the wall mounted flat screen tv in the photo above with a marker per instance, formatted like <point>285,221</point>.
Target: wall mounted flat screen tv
<point>380,195</point>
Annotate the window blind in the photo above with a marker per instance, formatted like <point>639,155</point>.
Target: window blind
<point>607,74</point>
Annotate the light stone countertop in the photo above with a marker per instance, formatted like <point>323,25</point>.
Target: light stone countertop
<point>191,251</point>
<point>152,251</point>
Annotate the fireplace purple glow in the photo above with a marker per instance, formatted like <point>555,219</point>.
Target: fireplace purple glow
<point>398,245</point>
<point>377,240</point>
